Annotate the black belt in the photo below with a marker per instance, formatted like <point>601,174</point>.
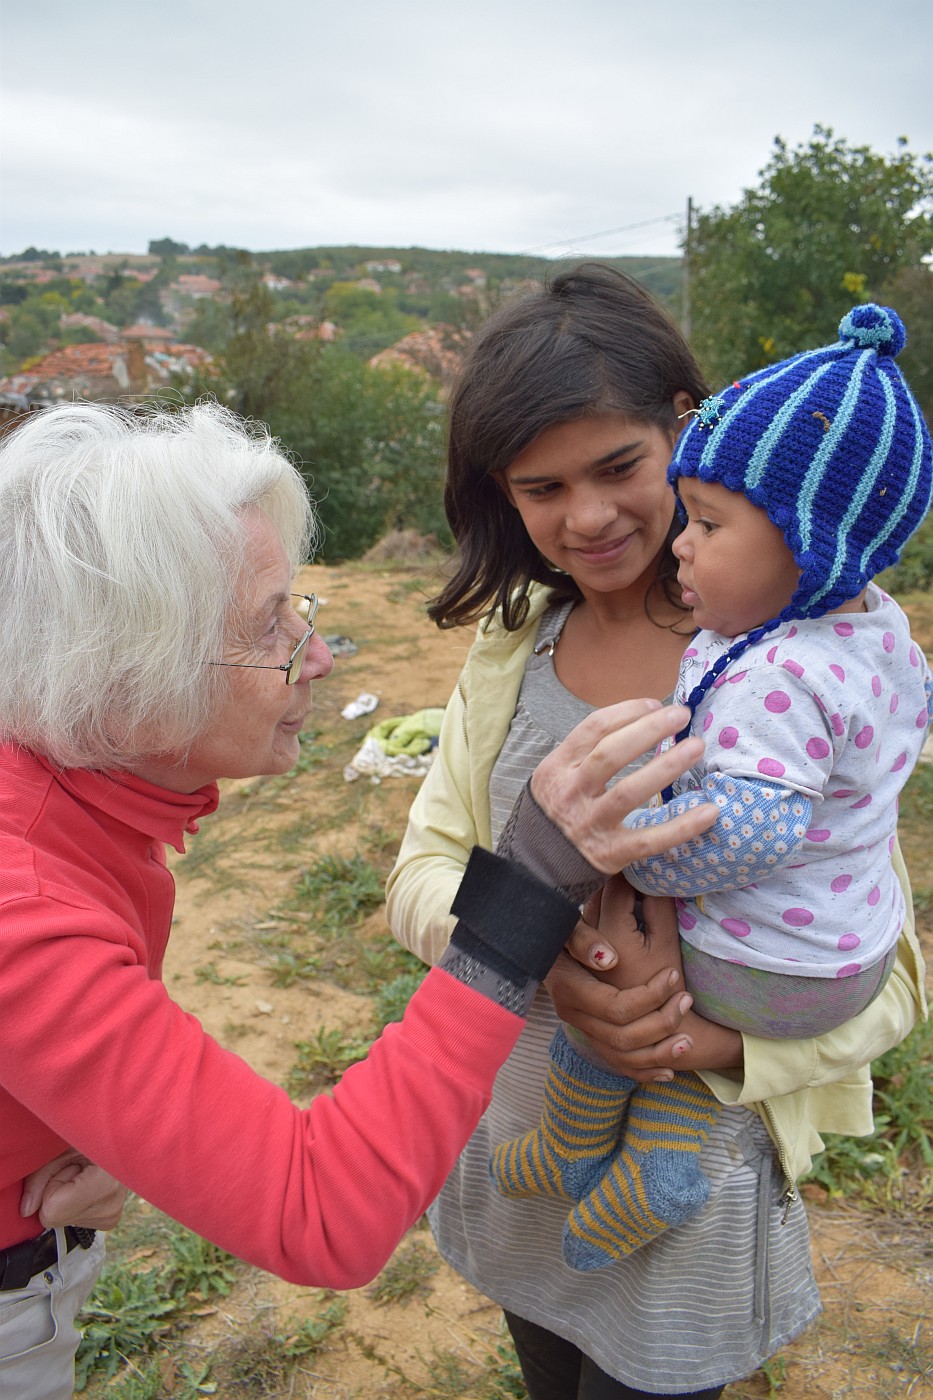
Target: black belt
<point>20,1262</point>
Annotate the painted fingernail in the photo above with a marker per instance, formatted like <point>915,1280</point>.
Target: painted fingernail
<point>604,956</point>
<point>680,1047</point>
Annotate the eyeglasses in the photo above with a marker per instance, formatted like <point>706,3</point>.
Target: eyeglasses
<point>305,607</point>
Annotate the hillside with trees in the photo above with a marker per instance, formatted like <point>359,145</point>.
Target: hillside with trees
<point>348,352</point>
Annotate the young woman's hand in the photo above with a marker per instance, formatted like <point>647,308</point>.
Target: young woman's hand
<point>647,1032</point>
<point>570,784</point>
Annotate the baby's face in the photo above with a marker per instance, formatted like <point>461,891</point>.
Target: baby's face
<point>736,571</point>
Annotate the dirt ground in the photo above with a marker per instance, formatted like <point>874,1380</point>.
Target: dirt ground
<point>875,1266</point>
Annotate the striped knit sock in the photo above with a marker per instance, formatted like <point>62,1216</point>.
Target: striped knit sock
<point>654,1180</point>
<point>578,1132</point>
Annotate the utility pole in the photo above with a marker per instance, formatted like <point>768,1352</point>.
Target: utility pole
<point>686,327</point>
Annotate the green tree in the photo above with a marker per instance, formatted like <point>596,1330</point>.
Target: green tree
<point>167,248</point>
<point>370,320</point>
<point>372,446</point>
<point>827,226</point>
<point>370,441</point>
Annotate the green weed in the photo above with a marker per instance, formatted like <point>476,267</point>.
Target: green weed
<point>408,1275</point>
<point>875,1167</point>
<point>200,1267</point>
<point>152,1383</point>
<point>340,891</point>
<point>916,803</point>
<point>288,967</point>
<point>394,996</point>
<point>775,1373</point>
<point>209,973</point>
<point>127,1315</point>
<point>131,1311</point>
<point>324,1060</point>
<point>261,1365</point>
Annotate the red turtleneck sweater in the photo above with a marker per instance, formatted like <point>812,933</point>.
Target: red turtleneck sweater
<point>94,1054</point>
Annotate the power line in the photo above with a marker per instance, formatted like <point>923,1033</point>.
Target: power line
<point>606,233</point>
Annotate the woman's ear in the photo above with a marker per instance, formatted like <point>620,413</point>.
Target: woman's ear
<point>504,487</point>
<point>683,406</point>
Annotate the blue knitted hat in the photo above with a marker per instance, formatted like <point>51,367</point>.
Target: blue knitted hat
<point>832,445</point>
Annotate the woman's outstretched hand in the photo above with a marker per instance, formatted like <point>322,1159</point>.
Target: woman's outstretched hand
<point>570,784</point>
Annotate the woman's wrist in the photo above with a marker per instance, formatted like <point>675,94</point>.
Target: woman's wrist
<point>510,930</point>
<point>532,839</point>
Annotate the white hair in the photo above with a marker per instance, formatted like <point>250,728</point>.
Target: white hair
<point>122,552</point>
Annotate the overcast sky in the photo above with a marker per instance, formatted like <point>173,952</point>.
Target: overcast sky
<point>497,126</point>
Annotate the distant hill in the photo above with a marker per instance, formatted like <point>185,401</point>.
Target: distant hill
<point>661,275</point>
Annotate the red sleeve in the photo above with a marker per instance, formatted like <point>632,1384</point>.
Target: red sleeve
<point>321,1196</point>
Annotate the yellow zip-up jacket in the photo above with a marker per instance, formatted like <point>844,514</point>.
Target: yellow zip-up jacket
<point>800,1088</point>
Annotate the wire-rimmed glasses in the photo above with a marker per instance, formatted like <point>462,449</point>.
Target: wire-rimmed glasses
<point>305,607</point>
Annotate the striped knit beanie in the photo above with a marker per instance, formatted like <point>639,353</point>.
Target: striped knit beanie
<point>832,445</point>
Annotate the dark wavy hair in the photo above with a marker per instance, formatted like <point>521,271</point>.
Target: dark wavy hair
<point>592,341</point>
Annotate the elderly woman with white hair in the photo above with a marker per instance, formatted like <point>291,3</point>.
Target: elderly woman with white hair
<point>151,644</point>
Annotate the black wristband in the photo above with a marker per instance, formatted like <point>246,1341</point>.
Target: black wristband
<point>509,919</point>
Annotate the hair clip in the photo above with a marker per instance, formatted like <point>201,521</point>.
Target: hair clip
<point>710,411</point>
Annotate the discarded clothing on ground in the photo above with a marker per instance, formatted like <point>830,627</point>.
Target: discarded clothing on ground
<point>397,747</point>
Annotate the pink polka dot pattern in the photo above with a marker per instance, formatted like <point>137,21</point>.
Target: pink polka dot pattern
<point>889,642</point>
<point>691,651</point>
<point>817,748</point>
<point>739,676</point>
<point>770,768</point>
<point>837,671</point>
<point>843,629</point>
<point>737,927</point>
<point>837,724</point>
<point>707,721</point>
<point>864,737</point>
<point>791,632</point>
<point>898,763</point>
<point>772,654</point>
<point>841,884</point>
<point>895,701</point>
<point>818,834</point>
<point>874,894</point>
<point>797,918</point>
<point>844,792</point>
<point>923,719</point>
<point>849,970</point>
<point>876,686</point>
<point>777,702</point>
<point>862,802</point>
<point>728,737</point>
<point>847,942</point>
<point>914,656</point>
<point>687,920</point>
<point>794,667</point>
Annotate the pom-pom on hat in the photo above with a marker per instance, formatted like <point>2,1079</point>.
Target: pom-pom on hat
<point>832,445</point>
